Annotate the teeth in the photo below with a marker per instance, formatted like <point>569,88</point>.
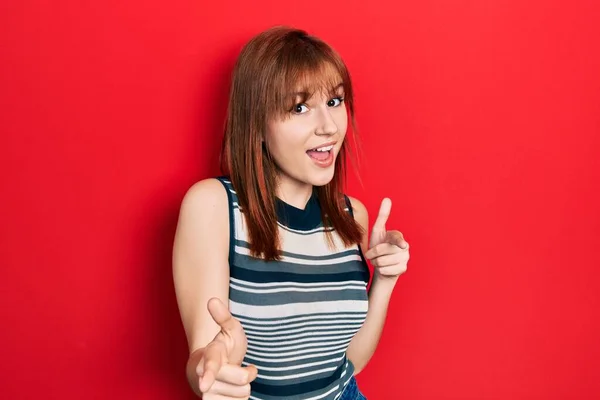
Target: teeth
<point>326,148</point>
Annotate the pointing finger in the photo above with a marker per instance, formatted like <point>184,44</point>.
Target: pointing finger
<point>378,231</point>
<point>210,365</point>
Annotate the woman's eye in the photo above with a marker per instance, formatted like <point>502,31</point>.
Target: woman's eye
<point>335,102</point>
<point>300,109</point>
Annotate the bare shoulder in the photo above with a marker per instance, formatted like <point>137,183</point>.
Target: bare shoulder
<point>203,219</point>
<point>203,195</point>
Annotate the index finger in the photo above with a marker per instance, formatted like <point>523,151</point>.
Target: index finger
<point>210,364</point>
<point>382,217</point>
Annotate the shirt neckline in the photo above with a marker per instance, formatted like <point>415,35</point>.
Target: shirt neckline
<point>297,218</point>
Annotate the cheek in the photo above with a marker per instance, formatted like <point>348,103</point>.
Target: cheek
<point>341,120</point>
<point>285,142</point>
<point>342,129</point>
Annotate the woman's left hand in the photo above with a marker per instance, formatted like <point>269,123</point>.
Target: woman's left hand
<point>388,251</point>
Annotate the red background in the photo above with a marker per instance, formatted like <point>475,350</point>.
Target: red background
<point>480,119</point>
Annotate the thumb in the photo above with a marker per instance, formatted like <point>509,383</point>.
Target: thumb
<point>231,328</point>
<point>221,315</point>
<point>379,230</point>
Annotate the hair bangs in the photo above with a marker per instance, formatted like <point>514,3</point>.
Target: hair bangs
<point>275,71</point>
<point>306,72</point>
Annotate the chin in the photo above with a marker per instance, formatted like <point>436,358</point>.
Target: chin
<point>323,178</point>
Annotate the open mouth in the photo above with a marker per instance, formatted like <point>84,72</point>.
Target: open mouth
<point>323,156</point>
<point>320,153</point>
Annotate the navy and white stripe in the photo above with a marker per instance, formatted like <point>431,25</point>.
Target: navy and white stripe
<point>300,313</point>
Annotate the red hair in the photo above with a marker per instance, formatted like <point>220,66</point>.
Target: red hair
<point>270,67</point>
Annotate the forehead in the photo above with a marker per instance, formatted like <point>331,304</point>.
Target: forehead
<point>325,80</point>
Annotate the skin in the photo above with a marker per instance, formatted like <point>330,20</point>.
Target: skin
<point>216,340</point>
<point>320,120</point>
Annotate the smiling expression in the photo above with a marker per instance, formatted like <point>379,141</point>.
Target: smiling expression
<point>305,140</point>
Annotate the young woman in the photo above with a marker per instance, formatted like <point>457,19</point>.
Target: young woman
<point>269,261</point>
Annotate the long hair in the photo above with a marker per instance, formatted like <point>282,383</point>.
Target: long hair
<point>271,66</point>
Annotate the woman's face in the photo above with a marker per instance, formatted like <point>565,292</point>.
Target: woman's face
<point>306,144</point>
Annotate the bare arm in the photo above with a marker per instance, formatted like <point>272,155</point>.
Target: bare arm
<point>201,271</point>
<point>363,345</point>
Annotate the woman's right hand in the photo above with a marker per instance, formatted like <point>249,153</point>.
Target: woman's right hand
<point>219,371</point>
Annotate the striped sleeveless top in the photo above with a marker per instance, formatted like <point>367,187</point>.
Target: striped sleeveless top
<point>300,313</point>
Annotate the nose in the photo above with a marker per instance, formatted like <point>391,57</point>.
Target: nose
<point>326,125</point>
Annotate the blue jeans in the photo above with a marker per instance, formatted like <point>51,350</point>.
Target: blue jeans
<point>351,391</point>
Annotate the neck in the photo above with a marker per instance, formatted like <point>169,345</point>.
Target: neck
<point>294,192</point>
